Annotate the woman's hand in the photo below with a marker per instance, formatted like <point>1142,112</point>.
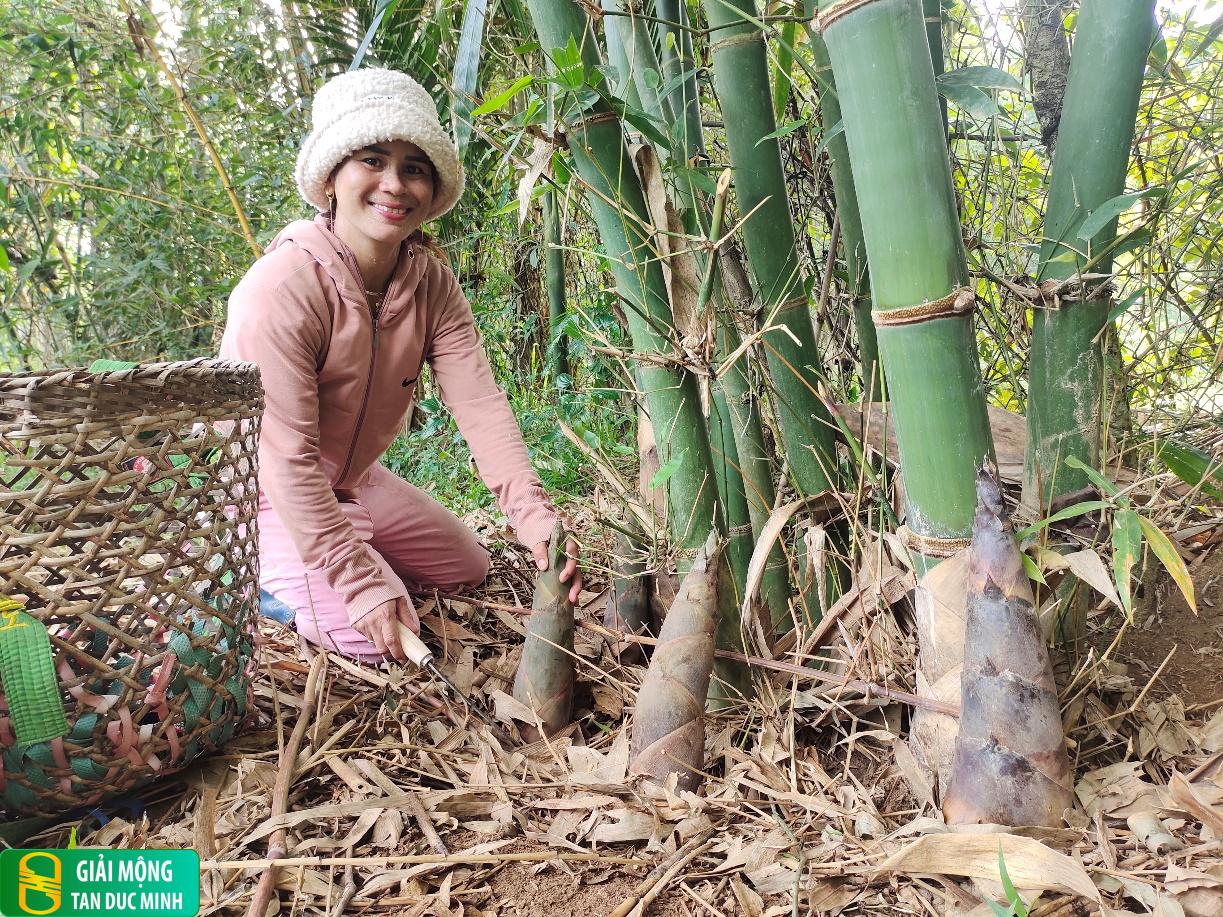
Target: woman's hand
<point>570,571</point>
<point>380,627</point>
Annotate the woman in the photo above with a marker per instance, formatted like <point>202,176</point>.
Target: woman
<point>340,314</point>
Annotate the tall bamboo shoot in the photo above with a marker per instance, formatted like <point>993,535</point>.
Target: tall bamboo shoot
<point>1010,764</point>
<point>668,724</point>
<point>544,681</point>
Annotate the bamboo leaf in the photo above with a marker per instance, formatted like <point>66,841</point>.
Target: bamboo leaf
<point>1127,543</point>
<point>1113,208</point>
<point>972,101</point>
<point>830,135</point>
<point>383,8</point>
<point>1033,571</point>
<point>1162,545</point>
<point>781,72</point>
<point>467,70</point>
<point>1212,35</point>
<point>1158,55</point>
<point>980,78</point>
<point>4,262</point>
<point>663,474</point>
<point>1124,306</point>
<point>1008,887</point>
<point>1105,485</point>
<point>788,128</point>
<point>1078,509</point>
<point>1192,465</point>
<point>499,101</point>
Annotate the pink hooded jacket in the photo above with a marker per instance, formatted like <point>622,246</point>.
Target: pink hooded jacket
<point>338,382</point>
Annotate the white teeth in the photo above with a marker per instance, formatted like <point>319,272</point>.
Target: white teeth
<point>386,208</point>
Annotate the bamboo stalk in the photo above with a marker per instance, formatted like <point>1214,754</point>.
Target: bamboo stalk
<point>853,248</point>
<point>554,270</point>
<point>741,76</point>
<point>678,61</point>
<point>897,143</point>
<point>1066,407</point>
<point>911,231</point>
<point>189,110</point>
<point>597,144</point>
<point>617,55</point>
<point>640,57</point>
<point>742,465</point>
<point>932,12</point>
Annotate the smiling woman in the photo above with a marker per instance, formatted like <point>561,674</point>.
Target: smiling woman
<point>340,314</point>
<point>379,196</point>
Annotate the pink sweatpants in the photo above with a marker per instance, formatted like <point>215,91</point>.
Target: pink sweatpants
<point>418,541</point>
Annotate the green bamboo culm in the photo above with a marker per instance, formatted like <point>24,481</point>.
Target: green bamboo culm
<point>554,271</point>
<point>601,158</point>
<point>853,248</point>
<point>679,69</point>
<point>623,26</point>
<point>742,466</point>
<point>932,10</point>
<point>1066,382</point>
<point>741,77</point>
<point>617,56</point>
<point>885,80</point>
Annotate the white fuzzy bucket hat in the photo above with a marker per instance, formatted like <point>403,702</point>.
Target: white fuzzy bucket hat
<point>356,109</point>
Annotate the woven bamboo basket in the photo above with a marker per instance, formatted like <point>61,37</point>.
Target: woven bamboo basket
<point>128,575</point>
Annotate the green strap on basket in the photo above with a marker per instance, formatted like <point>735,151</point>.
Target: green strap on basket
<point>110,366</point>
<point>27,672</point>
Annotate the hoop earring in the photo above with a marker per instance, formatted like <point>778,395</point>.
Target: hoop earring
<point>331,204</point>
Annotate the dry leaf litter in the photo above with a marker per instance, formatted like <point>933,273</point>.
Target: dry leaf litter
<point>402,802</point>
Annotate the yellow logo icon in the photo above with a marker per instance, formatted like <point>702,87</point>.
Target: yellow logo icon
<point>44,882</point>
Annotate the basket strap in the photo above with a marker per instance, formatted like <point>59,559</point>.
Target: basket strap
<point>27,673</point>
<point>110,366</point>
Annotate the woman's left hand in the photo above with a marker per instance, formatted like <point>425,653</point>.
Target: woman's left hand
<point>570,571</point>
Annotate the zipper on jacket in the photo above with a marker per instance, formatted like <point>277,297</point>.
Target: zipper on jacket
<point>369,381</point>
<point>374,311</point>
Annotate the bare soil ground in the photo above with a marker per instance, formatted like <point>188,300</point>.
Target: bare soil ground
<point>1164,624</point>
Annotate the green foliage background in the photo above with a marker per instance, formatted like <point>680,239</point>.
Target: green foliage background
<point>117,238</point>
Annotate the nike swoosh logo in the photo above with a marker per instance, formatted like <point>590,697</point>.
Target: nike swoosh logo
<point>407,382</point>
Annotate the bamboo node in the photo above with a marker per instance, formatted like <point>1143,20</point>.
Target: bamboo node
<point>586,123</point>
<point>791,304</point>
<point>836,11</point>
<point>1052,293</point>
<point>958,302</point>
<point>930,545</point>
<point>742,38</point>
